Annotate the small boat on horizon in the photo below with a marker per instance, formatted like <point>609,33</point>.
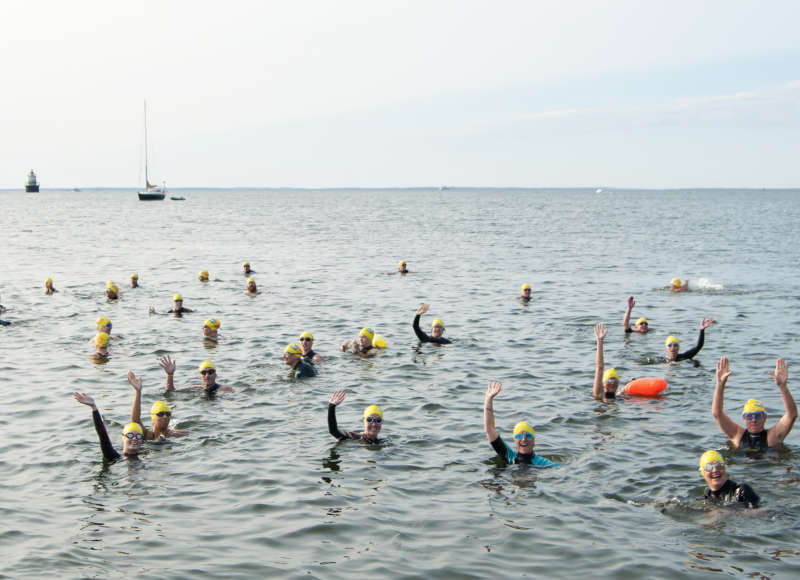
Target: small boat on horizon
<point>177,198</point>
<point>151,192</point>
<point>32,184</point>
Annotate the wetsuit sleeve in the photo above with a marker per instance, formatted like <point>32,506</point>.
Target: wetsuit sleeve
<point>501,448</point>
<point>105,443</point>
<point>420,335</point>
<point>693,351</point>
<point>540,461</point>
<point>628,330</point>
<point>745,494</point>
<point>333,427</point>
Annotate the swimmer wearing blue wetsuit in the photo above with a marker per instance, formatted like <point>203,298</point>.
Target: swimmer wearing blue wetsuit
<point>524,435</point>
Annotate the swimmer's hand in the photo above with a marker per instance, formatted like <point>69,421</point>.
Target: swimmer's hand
<point>84,399</point>
<point>781,374</point>
<point>337,398</point>
<point>706,322</point>
<point>168,364</point>
<point>493,390</point>
<point>723,371</point>
<point>600,330</point>
<point>631,302</point>
<point>423,309</point>
<point>136,383</point>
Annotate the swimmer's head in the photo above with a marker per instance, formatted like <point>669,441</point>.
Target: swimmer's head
<point>206,364</point>
<point>251,285</point>
<point>109,284</point>
<point>48,281</point>
<point>641,325</point>
<point>401,265</point>
<point>610,379</point>
<point>306,341</point>
<point>160,413</point>
<point>754,415</point>
<point>134,280</point>
<point>526,290</point>
<point>101,340</point>
<point>213,324</point>
<point>246,267</point>
<point>524,437</point>
<point>712,468</point>
<point>672,343</point>
<point>135,276</point>
<point>132,437</point>
<point>437,327</point>
<point>292,354</point>
<point>102,322</point>
<point>365,336</point>
<point>203,276</point>
<point>373,421</point>
<point>177,298</point>
<point>112,291</point>
<point>675,283</point>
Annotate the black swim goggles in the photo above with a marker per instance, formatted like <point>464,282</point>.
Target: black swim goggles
<point>374,420</point>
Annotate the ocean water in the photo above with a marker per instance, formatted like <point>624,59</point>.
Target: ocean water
<point>259,488</point>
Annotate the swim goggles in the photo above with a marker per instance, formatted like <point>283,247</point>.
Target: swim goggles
<point>525,434</point>
<point>671,344</point>
<point>712,464</point>
<point>164,414</point>
<point>133,435</point>
<point>374,420</point>
<point>754,416</point>
<point>207,372</point>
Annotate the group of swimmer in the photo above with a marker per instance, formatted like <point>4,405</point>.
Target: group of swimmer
<point>302,359</point>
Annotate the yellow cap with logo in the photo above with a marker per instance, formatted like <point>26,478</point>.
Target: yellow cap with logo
<point>610,374</point>
<point>753,406</point>
<point>523,426</point>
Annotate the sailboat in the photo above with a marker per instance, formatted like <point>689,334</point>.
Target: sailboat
<point>151,192</point>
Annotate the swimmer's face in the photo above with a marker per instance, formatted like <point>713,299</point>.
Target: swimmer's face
<point>251,287</point>
<point>437,331</point>
<point>290,359</point>
<point>106,328</point>
<point>672,350</point>
<point>101,350</point>
<point>642,327</point>
<point>525,443</point>
<point>131,443</point>
<point>754,422</point>
<point>364,341</point>
<point>210,332</point>
<point>203,278</point>
<point>246,268</point>
<point>134,282</point>
<point>305,344</point>
<point>209,377</point>
<point>717,477</point>
<point>372,425</point>
<point>611,385</point>
<point>526,293</point>
<point>161,419</point>
<point>177,304</point>
<point>110,293</point>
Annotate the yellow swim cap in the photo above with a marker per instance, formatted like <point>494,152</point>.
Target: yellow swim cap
<point>101,339</point>
<point>109,284</point>
<point>307,334</point>
<point>114,288</point>
<point>101,322</point>
<point>373,410</point>
<point>379,341</point>
<point>368,332</point>
<point>204,274</point>
<point>132,428</point>
<point>671,339</point>
<point>437,322</point>
<point>753,406</point>
<point>640,320</point>
<point>206,364</point>
<point>610,374</point>
<point>213,323</point>
<point>177,297</point>
<point>245,264</point>
<point>294,349</point>
<point>710,456</point>
<point>675,282</point>
<point>523,426</point>
<point>46,280</point>
<point>158,407</point>
<point>525,287</point>
<point>135,275</point>
<point>401,263</point>
<point>251,280</point>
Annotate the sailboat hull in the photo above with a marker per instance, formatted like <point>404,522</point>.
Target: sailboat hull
<point>150,196</point>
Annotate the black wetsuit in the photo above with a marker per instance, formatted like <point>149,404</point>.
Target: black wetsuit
<point>693,351</point>
<point>180,310</point>
<point>733,492</point>
<point>333,428</point>
<point>424,337</point>
<point>105,443</point>
<point>212,390</point>
<point>511,456</point>
<point>755,441</point>
<point>309,356</point>
<point>5,323</point>
<point>304,369</point>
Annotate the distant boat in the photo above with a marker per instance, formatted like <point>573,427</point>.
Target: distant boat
<point>599,190</point>
<point>75,189</point>
<point>179,198</point>
<point>32,185</point>
<point>151,192</point>
<point>443,188</point>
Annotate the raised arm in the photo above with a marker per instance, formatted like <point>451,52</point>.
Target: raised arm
<point>488,410</point>
<point>704,323</point>
<point>105,443</point>
<point>136,408</point>
<point>168,364</point>
<point>333,427</point>
<point>420,311</point>
<point>599,334</point>
<point>781,429</point>
<point>732,431</point>
<point>626,318</point>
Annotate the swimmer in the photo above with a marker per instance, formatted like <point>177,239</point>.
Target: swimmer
<point>112,290</point>
<point>251,286</point>
<point>754,414</point>
<point>48,286</point>
<point>177,307</point>
<point>132,434</point>
<point>526,293</point>
<point>211,328</point>
<point>203,276</point>
<point>293,357</point>
<point>246,269</point>
<point>306,341</point>
<point>720,488</point>
<point>134,280</point>
<point>159,413</point>
<point>524,435</point>
<point>208,376</point>
<point>641,326</point>
<point>675,285</point>
<point>402,268</point>
<point>103,324</point>
<point>437,328</point>
<point>606,382</point>
<point>100,346</point>
<point>362,346</point>
<point>373,421</point>
<point>673,344</point>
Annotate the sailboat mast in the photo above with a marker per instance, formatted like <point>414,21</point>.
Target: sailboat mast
<point>146,176</point>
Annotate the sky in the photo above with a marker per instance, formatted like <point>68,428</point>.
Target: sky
<point>357,93</point>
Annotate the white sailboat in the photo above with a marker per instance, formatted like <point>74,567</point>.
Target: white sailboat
<point>151,192</point>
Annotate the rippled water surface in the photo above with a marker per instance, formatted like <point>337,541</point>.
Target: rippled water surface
<point>259,488</point>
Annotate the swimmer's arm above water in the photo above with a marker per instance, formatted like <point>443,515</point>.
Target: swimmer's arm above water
<point>704,323</point>
<point>626,318</point>
<point>168,364</point>
<point>781,429</point>
<point>333,427</point>
<point>105,443</point>
<point>728,426</point>
<point>599,334</point>
<point>488,410</point>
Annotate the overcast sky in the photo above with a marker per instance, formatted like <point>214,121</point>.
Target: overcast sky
<point>391,94</point>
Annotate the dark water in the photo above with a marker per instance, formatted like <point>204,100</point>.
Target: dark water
<point>260,488</point>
